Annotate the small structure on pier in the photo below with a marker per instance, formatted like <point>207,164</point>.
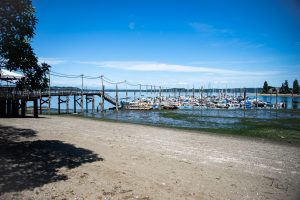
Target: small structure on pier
<point>11,100</point>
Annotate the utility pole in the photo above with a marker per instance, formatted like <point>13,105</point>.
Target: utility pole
<point>256,98</point>
<point>140,91</point>
<point>201,93</point>
<point>159,95</point>
<point>49,95</point>
<point>102,94</point>
<point>117,98</point>
<point>81,100</point>
<point>126,94</point>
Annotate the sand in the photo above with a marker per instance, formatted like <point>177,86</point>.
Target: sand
<point>63,157</point>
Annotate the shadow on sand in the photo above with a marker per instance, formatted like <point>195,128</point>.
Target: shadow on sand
<point>29,164</point>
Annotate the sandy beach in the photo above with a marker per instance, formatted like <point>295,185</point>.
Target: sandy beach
<point>63,157</point>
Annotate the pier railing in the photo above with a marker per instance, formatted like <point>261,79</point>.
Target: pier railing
<point>12,93</point>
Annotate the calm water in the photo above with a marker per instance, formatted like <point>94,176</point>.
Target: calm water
<point>194,118</point>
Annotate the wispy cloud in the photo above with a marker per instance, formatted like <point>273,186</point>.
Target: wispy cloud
<point>232,62</point>
<point>163,67</point>
<point>52,61</point>
<point>131,25</point>
<point>236,42</point>
<point>231,36</point>
<point>248,44</point>
<point>206,28</point>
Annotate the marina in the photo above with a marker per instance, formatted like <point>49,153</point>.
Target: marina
<point>77,101</point>
<point>133,97</point>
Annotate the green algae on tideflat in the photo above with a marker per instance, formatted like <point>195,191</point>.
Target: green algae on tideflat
<point>279,129</point>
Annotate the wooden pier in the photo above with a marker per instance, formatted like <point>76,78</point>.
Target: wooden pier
<point>14,103</point>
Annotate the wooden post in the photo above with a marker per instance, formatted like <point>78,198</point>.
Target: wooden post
<point>93,104</point>
<point>75,102</point>
<point>256,98</point>
<point>140,91</point>
<point>40,104</point>
<point>117,98</point>
<point>15,109</point>
<point>23,107</point>
<point>276,98</point>
<point>67,104</point>
<point>86,103</point>
<point>159,95</point>
<point>201,93</point>
<point>58,104</point>
<point>244,98</point>
<point>49,95</point>
<point>35,108</point>
<point>81,100</point>
<point>126,94</point>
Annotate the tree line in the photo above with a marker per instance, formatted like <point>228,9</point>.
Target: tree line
<point>284,89</point>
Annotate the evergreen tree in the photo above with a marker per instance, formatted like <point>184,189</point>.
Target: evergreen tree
<point>285,88</point>
<point>281,89</point>
<point>17,25</point>
<point>296,87</point>
<point>266,88</point>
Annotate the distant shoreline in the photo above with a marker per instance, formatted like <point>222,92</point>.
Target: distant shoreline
<point>281,95</point>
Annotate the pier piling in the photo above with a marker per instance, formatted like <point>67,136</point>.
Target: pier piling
<point>67,104</point>
<point>93,104</point>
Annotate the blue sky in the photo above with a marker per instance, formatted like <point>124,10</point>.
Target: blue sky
<point>171,43</point>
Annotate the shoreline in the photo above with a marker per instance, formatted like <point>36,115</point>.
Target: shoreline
<point>281,95</point>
